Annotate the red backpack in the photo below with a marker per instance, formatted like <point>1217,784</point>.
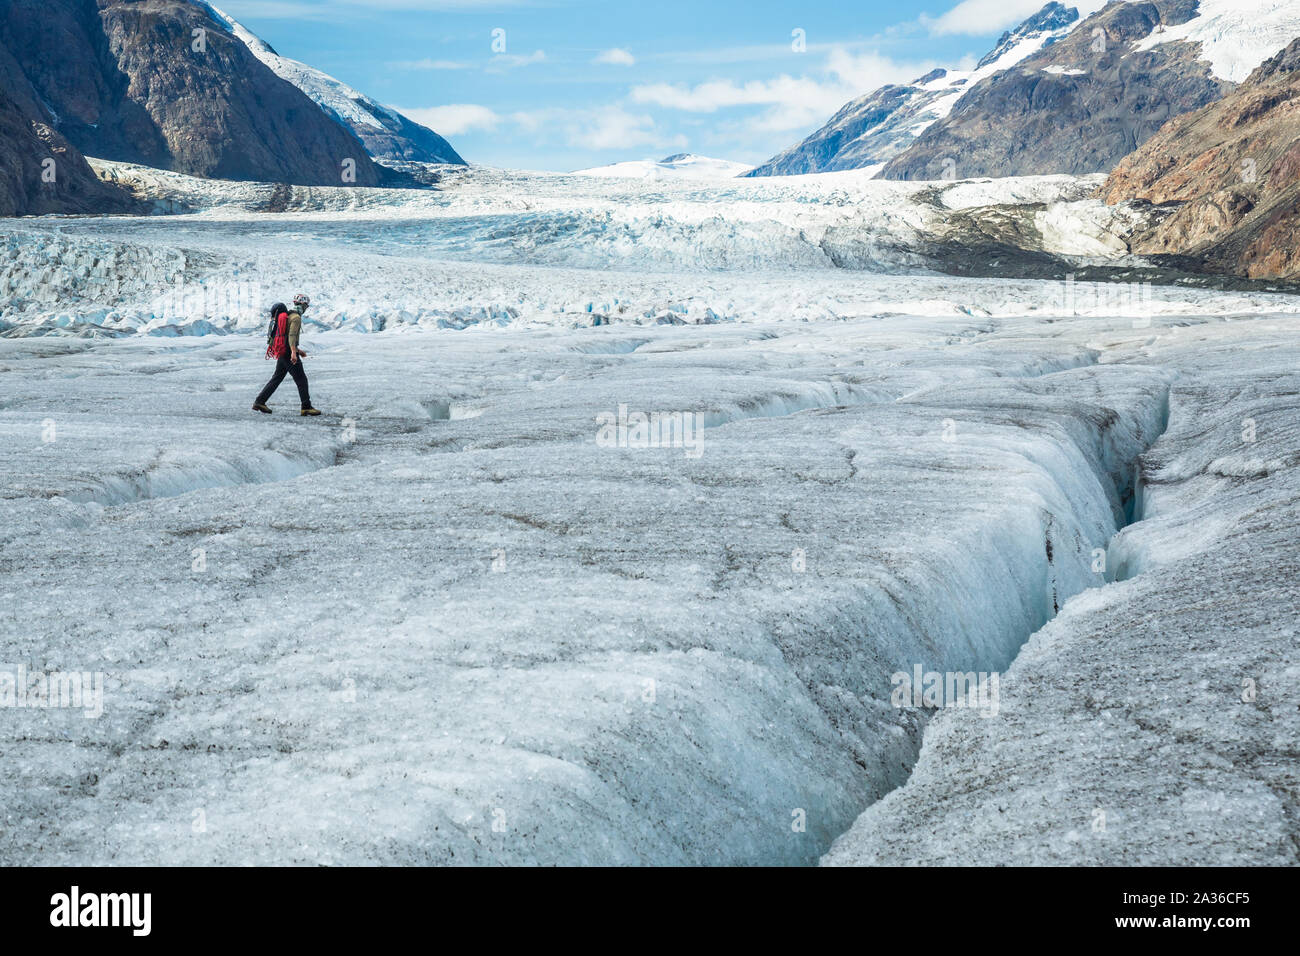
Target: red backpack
<point>277,333</point>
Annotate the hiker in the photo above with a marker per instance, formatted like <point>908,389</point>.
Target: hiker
<point>282,345</point>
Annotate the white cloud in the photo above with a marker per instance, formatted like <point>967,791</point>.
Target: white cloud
<point>455,118</point>
<point>867,72</point>
<point>613,127</point>
<point>600,128</point>
<point>981,17</point>
<point>616,57</point>
<point>605,127</point>
<point>510,60</point>
<point>431,64</point>
<point>794,102</point>
<point>497,64</point>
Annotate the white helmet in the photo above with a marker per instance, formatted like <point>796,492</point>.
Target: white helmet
<point>300,302</point>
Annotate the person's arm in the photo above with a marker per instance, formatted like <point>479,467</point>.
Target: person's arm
<point>295,330</point>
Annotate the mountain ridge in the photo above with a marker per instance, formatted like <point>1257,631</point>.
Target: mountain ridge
<point>386,133</point>
<point>161,83</point>
<point>1088,94</point>
<point>875,127</point>
<point>1077,107</point>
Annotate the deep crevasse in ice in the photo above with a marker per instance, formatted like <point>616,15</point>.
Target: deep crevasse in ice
<point>647,679</point>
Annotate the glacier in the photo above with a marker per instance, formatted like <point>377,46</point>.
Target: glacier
<point>444,623</point>
<point>510,248</point>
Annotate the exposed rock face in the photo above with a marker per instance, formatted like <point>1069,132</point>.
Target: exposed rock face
<point>1077,106</point>
<point>132,80</point>
<point>874,128</point>
<point>40,172</point>
<point>859,135</point>
<point>1233,168</point>
<point>386,133</point>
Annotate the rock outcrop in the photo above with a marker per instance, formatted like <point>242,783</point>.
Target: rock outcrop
<point>165,84</point>
<point>1232,172</point>
<point>40,172</point>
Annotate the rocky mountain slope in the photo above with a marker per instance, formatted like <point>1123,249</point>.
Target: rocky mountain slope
<point>40,172</point>
<point>161,82</point>
<point>1057,95</point>
<point>874,128</point>
<point>386,133</point>
<point>1078,106</point>
<point>1233,171</point>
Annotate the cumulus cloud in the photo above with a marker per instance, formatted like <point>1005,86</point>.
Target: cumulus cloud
<point>455,118</point>
<point>431,64</point>
<point>603,127</point>
<point>616,57</point>
<point>793,102</point>
<point>497,64</point>
<point>613,127</point>
<point>510,60</point>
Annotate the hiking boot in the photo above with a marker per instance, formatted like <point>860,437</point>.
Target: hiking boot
<point>309,411</point>
<point>259,407</point>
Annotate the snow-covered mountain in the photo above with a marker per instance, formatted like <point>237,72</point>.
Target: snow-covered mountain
<point>677,166</point>
<point>1092,98</point>
<point>386,133</point>
<point>874,128</point>
<point>1059,94</point>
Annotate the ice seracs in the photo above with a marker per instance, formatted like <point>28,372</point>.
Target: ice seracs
<point>504,247</point>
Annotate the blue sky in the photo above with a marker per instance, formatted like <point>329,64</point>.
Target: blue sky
<point>566,84</point>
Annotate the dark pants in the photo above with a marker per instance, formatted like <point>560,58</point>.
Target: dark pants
<point>284,367</point>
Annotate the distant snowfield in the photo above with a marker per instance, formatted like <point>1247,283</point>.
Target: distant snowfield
<point>462,618</point>
<point>682,165</point>
<point>1235,36</point>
